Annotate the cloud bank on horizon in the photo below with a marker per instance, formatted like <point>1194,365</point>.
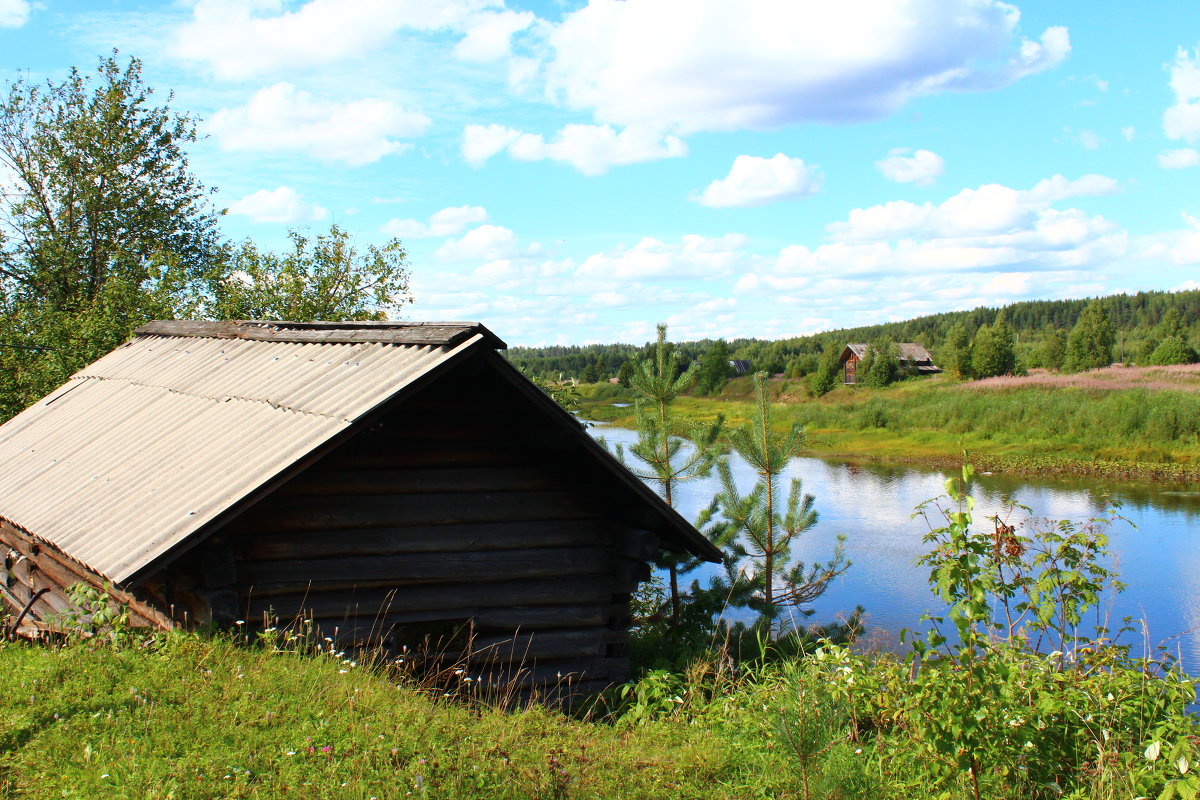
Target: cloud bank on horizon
<point>576,172</point>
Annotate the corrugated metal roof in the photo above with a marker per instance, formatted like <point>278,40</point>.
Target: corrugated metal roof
<point>146,446</point>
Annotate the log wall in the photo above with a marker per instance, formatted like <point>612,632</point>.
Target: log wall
<point>490,537</point>
<point>488,532</point>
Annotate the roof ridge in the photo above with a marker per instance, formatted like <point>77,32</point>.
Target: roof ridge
<point>438,334</point>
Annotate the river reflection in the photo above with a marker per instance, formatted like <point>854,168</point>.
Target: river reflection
<point>1157,555</point>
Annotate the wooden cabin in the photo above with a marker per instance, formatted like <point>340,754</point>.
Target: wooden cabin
<point>385,482</point>
<point>913,359</point>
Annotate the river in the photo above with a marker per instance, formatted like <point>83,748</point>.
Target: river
<point>1157,553</point>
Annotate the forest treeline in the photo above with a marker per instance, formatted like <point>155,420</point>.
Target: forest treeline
<point>1137,320</point>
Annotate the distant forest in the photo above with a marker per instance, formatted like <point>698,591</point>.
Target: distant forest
<point>1135,317</point>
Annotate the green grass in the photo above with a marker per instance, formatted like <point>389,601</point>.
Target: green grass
<point>195,718</point>
<point>1128,432</point>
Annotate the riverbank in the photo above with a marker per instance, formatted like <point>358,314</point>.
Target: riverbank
<point>1091,426</point>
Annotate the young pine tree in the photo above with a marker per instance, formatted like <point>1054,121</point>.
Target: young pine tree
<point>664,458</point>
<point>761,527</point>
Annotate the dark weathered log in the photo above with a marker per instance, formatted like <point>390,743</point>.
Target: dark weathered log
<point>411,481</point>
<point>577,589</point>
<point>637,544</point>
<point>470,454</point>
<point>345,511</point>
<point>526,647</point>
<point>15,597</point>
<point>218,565</point>
<point>223,606</point>
<point>22,570</point>
<point>631,572</point>
<point>427,539</point>
<point>532,618</point>
<point>543,562</point>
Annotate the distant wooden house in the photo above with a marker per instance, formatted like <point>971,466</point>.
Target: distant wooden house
<point>913,358</point>
<point>386,481</point>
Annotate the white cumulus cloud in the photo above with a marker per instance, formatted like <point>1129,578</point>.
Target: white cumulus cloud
<point>14,13</point>
<point>485,243</point>
<point>991,210</point>
<point>1179,159</point>
<point>283,204</point>
<point>1015,234</point>
<point>693,257</point>
<point>1056,188</point>
<point>239,39</point>
<point>591,149</point>
<point>284,118</point>
<point>1182,119</point>
<point>447,222</point>
<point>923,167</point>
<point>691,65</point>
<point>754,181</point>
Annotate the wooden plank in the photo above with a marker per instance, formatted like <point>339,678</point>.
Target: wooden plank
<point>542,562</point>
<point>62,571</point>
<point>372,511</point>
<point>23,570</point>
<point>576,589</point>
<point>413,481</point>
<point>425,539</point>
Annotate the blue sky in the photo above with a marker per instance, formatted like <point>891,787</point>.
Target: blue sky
<point>573,172</point>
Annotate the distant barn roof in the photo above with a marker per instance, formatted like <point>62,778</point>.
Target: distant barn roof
<point>909,351</point>
<point>162,437</point>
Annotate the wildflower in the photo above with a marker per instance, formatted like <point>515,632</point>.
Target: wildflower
<point>291,752</point>
<point>105,775</point>
<point>327,749</point>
